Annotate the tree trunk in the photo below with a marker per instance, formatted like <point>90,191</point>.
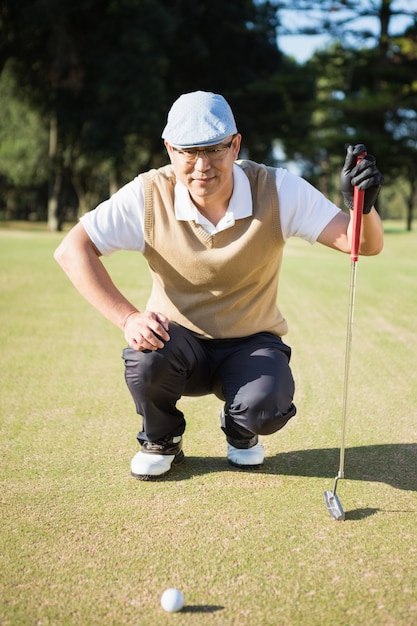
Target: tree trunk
<point>55,179</point>
<point>113,184</point>
<point>410,202</point>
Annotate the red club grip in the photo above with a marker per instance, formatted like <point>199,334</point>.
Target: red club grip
<point>358,198</point>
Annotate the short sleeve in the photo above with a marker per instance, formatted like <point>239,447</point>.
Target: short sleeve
<point>304,210</point>
<point>117,223</point>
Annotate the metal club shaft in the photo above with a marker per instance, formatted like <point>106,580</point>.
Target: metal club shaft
<point>332,500</point>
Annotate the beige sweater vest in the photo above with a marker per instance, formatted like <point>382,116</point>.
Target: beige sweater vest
<point>223,285</point>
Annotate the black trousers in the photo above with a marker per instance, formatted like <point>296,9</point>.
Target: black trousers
<point>251,375</point>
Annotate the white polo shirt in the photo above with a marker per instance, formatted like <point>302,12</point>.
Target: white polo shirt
<point>117,223</point>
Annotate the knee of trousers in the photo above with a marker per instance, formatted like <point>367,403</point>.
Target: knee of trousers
<point>275,422</point>
<point>143,370</point>
<point>263,418</point>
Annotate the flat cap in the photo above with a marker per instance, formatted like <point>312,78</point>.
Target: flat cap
<point>199,118</point>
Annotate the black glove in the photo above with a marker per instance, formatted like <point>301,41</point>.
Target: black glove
<point>364,175</point>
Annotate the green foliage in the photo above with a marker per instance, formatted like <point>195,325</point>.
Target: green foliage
<point>108,72</point>
<point>23,138</point>
<point>348,21</point>
<point>366,93</point>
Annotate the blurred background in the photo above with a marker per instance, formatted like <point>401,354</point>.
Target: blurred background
<point>85,87</point>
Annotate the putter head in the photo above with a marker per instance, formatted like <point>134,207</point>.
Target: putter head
<point>333,506</point>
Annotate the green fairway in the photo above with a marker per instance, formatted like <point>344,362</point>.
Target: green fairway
<point>84,544</point>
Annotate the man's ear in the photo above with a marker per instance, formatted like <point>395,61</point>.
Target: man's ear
<point>236,144</point>
<point>168,149</point>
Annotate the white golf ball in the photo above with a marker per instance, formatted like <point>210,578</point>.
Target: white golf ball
<point>172,600</point>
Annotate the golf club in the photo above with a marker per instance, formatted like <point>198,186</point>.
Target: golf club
<point>332,501</point>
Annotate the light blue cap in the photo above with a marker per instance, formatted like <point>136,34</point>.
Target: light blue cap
<point>199,118</point>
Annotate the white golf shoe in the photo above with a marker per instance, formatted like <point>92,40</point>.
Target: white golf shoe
<point>246,458</point>
<point>156,458</point>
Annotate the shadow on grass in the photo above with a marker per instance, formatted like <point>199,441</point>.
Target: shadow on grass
<point>358,514</point>
<point>394,464</point>
<point>201,608</point>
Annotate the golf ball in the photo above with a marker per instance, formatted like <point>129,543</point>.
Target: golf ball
<point>172,600</point>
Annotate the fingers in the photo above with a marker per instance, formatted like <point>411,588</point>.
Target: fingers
<point>363,175</point>
<point>366,174</point>
<point>349,161</point>
<point>352,153</point>
<point>358,149</point>
<point>147,340</point>
<point>162,319</point>
<point>147,331</point>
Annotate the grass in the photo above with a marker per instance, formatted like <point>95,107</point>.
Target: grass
<point>84,544</point>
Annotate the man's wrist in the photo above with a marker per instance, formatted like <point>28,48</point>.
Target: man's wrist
<point>365,210</point>
<point>125,319</point>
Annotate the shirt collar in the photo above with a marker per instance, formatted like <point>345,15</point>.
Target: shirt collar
<point>240,205</point>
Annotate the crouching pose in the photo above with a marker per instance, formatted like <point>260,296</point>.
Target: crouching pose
<point>212,229</point>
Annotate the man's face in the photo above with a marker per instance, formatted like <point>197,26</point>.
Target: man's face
<point>206,172</point>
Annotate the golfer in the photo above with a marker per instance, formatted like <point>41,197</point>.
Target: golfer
<point>212,229</point>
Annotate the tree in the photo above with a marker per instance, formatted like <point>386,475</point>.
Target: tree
<point>23,152</point>
<point>351,23</point>
<point>91,68</point>
<point>366,89</point>
<point>104,73</point>
<point>401,120</point>
<point>238,57</point>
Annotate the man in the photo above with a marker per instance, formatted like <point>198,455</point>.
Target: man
<point>213,231</point>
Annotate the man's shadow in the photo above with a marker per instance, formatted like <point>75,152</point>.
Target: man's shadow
<point>394,464</point>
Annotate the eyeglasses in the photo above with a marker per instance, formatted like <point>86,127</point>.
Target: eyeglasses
<point>214,154</point>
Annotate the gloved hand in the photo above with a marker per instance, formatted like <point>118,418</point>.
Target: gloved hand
<point>364,175</point>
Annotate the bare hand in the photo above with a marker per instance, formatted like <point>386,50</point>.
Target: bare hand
<point>146,331</point>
